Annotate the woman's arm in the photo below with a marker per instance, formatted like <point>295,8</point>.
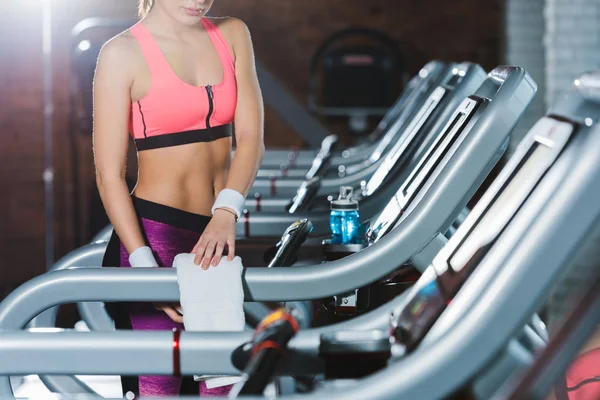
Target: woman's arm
<point>249,113</point>
<point>249,132</point>
<point>112,102</point>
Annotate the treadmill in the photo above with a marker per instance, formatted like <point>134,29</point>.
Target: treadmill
<point>296,163</point>
<point>447,178</point>
<point>462,327</point>
<point>262,218</point>
<point>455,83</point>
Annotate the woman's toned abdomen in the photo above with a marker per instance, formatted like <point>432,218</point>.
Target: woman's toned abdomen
<point>185,177</point>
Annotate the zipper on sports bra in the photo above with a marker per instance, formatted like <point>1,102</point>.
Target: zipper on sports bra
<point>210,105</point>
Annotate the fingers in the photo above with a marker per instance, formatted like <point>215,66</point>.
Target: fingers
<point>170,310</point>
<point>210,250</point>
<point>200,249</point>
<point>173,314</point>
<point>177,307</point>
<point>218,254</point>
<point>231,246</point>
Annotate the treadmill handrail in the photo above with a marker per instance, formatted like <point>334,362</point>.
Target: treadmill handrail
<point>305,343</point>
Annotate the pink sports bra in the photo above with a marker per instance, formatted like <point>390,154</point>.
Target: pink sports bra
<point>174,112</point>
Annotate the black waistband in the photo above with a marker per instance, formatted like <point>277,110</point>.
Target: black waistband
<point>169,215</point>
<point>186,137</point>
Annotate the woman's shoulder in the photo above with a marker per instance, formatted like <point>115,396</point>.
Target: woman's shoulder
<point>120,49</point>
<point>231,27</point>
<point>227,22</point>
<point>234,30</point>
<point>122,43</point>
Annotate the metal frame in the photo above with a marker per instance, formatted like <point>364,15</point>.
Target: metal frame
<point>18,308</point>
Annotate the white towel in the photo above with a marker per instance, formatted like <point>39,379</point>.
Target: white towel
<point>212,301</point>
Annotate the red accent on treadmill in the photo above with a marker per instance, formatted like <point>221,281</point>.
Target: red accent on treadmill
<point>275,316</point>
<point>268,344</point>
<point>246,223</point>
<point>176,353</point>
<point>273,185</point>
<point>257,196</point>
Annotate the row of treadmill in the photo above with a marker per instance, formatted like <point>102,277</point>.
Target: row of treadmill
<point>440,301</point>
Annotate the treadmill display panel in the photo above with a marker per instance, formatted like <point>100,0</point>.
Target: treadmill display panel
<point>424,169</point>
<point>401,118</point>
<point>483,226</point>
<point>405,141</point>
<point>503,208</point>
<point>529,166</point>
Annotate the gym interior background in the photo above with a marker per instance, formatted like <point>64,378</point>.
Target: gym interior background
<point>553,39</point>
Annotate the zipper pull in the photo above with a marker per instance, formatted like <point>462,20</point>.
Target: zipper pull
<point>210,92</point>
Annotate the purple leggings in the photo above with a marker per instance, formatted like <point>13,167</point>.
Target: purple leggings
<point>168,231</point>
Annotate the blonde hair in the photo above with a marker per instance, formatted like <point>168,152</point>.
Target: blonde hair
<point>144,7</point>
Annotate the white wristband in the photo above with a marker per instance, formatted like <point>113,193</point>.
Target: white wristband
<point>229,198</point>
<point>142,257</point>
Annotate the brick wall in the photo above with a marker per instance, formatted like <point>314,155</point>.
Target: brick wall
<point>21,145</point>
<point>285,33</point>
<point>523,44</point>
<point>572,46</point>
<point>555,40</point>
<point>572,42</point>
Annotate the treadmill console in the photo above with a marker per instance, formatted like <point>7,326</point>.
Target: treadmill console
<point>323,157</point>
<point>484,225</point>
<point>442,148</point>
<point>403,116</point>
<point>405,141</point>
<point>304,196</point>
<point>409,141</point>
<point>290,243</point>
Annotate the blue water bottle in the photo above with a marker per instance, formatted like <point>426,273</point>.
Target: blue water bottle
<point>343,218</point>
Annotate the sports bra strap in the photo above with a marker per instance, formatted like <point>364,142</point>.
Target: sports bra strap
<point>155,58</point>
<point>219,42</point>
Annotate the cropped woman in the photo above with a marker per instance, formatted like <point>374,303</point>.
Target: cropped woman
<point>176,82</point>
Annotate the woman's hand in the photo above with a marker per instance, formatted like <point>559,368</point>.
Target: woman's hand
<point>219,233</point>
<point>172,310</point>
